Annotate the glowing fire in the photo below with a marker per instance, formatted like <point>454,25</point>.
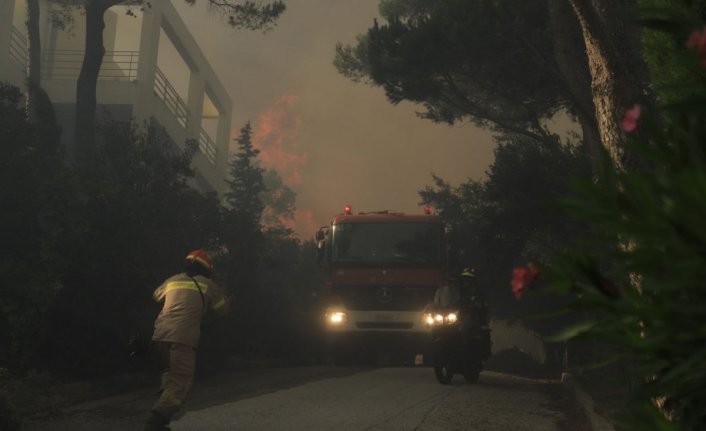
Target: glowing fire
<point>276,135</point>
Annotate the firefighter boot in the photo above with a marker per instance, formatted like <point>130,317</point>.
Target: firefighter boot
<point>156,422</point>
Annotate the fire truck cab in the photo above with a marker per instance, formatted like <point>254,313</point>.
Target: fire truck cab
<point>383,269</point>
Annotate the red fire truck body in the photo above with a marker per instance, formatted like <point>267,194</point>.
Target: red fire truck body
<point>383,270</point>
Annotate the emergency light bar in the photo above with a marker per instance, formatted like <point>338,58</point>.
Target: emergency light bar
<point>348,210</point>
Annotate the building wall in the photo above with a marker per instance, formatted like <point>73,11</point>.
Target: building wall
<point>130,81</point>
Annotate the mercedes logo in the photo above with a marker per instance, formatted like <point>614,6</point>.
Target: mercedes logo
<point>383,295</point>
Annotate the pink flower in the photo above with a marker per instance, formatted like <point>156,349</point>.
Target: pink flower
<point>697,40</point>
<point>630,119</point>
<point>522,279</point>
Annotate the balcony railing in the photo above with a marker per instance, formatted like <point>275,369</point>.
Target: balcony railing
<point>207,147</point>
<point>165,91</point>
<point>176,105</point>
<point>18,48</point>
<point>117,65</point>
<point>66,64</point>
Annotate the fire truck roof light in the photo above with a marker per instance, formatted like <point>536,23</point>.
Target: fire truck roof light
<point>348,210</point>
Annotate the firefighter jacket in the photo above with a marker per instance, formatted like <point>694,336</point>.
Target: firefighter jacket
<point>184,307</point>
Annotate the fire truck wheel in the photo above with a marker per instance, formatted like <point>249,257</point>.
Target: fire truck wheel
<point>443,373</point>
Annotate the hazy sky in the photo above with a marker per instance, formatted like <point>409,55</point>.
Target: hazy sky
<point>334,141</point>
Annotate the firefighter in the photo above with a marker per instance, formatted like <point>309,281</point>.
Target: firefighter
<point>472,294</point>
<point>187,297</point>
<point>478,313</point>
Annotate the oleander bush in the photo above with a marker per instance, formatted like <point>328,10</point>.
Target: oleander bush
<point>641,275</point>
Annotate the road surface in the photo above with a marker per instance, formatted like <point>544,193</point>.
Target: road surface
<point>330,398</point>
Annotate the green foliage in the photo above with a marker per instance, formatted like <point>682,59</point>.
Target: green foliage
<point>139,218</point>
<point>269,271</point>
<point>246,184</point>
<point>641,273</point>
<point>241,232</point>
<point>82,250</point>
<point>664,39</point>
<point>250,15</point>
<point>277,199</point>
<point>488,62</point>
<point>511,217</point>
<point>38,210</point>
<point>290,282</point>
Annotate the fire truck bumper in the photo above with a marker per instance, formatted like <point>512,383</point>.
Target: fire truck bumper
<point>379,338</point>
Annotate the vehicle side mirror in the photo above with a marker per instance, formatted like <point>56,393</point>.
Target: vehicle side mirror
<point>321,254</point>
<point>321,246</point>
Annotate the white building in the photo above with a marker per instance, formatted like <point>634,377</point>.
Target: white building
<point>131,81</point>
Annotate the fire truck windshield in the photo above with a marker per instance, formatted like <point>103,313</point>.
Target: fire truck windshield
<point>398,244</point>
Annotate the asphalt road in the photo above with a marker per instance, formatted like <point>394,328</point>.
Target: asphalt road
<point>330,398</point>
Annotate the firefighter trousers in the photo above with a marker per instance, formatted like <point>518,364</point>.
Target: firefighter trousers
<point>177,378</point>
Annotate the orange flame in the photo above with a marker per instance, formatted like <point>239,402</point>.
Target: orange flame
<point>276,135</point>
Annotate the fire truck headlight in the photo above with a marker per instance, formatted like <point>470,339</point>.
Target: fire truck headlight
<point>438,319</point>
<point>336,317</point>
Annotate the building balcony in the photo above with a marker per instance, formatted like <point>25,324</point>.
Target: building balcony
<point>131,84</point>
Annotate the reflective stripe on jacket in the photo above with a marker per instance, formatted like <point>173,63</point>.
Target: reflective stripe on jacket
<point>180,318</point>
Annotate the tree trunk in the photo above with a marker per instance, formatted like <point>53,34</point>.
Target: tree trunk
<point>39,107</point>
<point>34,51</point>
<point>85,125</point>
<point>619,74</point>
<point>570,56</point>
<point>614,78</point>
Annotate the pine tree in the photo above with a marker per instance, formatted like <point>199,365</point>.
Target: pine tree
<point>242,231</point>
<point>246,184</point>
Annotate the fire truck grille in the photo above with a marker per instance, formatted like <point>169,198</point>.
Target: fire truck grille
<point>393,298</point>
<point>384,325</point>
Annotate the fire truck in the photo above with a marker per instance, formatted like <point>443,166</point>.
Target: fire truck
<point>383,269</point>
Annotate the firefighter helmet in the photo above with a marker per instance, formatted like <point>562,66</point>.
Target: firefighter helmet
<point>201,256</point>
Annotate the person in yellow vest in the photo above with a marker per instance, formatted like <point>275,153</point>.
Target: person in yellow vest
<point>187,297</point>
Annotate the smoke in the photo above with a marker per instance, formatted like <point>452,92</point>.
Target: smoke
<point>303,224</point>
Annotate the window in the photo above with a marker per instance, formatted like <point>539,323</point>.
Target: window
<point>389,244</point>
